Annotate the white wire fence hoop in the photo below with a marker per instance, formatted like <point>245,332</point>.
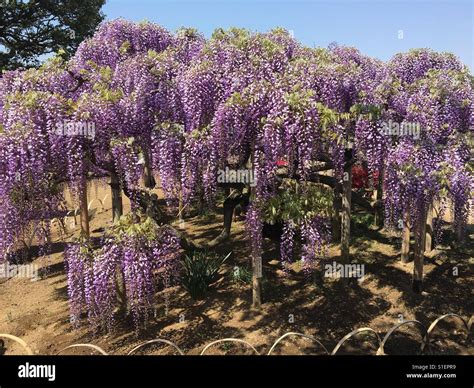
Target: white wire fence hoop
<point>155,341</point>
<point>426,338</point>
<point>90,346</point>
<point>351,334</point>
<point>381,349</point>
<point>229,340</point>
<point>28,241</point>
<point>89,206</point>
<point>60,223</point>
<point>73,213</point>
<point>18,341</point>
<point>7,252</point>
<point>309,337</point>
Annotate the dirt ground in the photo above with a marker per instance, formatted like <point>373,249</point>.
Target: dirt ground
<point>38,312</point>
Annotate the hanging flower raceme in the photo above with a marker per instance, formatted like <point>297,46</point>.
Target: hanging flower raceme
<point>316,234</point>
<point>127,162</point>
<point>167,148</point>
<point>33,162</point>
<point>134,260</point>
<point>431,106</point>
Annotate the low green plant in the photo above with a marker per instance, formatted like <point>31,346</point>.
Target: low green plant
<point>297,201</point>
<point>363,220</point>
<point>241,275</point>
<point>201,270</point>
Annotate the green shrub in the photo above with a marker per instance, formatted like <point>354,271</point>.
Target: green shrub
<point>363,220</point>
<point>241,275</point>
<point>201,270</point>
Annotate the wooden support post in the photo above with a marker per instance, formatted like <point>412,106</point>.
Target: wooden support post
<point>429,229</point>
<point>257,265</point>
<point>418,257</point>
<point>336,213</point>
<point>257,282</point>
<point>406,238</point>
<point>84,212</point>
<point>346,207</point>
<point>379,216</point>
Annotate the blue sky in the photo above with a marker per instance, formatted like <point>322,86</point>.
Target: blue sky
<point>372,26</point>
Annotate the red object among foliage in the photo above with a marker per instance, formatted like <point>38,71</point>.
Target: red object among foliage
<point>282,163</point>
<point>360,177</point>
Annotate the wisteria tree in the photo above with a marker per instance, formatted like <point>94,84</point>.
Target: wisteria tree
<point>179,109</point>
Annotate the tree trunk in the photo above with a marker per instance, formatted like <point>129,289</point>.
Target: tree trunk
<point>148,178</point>
<point>406,238</point>
<point>85,231</point>
<point>418,257</point>
<point>379,216</point>
<point>429,229</point>
<point>236,197</point>
<point>121,290</point>
<point>346,212</point>
<point>459,233</point>
<point>458,225</point>
<point>180,210</point>
<point>117,206</point>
